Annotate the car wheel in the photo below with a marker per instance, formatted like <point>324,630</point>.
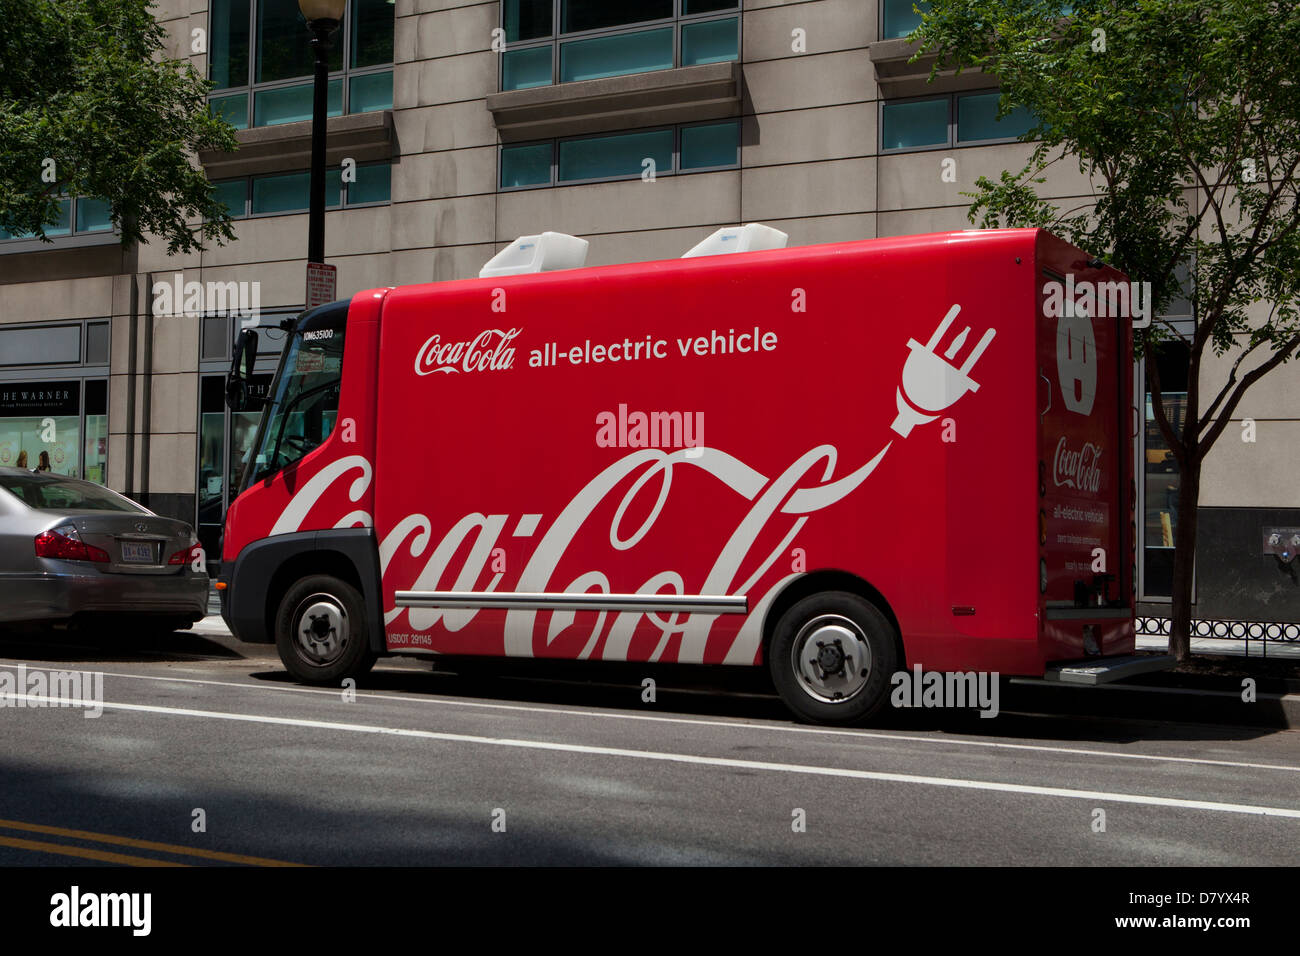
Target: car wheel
<point>321,632</point>
<point>831,657</point>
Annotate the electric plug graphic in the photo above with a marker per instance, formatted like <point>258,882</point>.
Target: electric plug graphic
<point>931,382</point>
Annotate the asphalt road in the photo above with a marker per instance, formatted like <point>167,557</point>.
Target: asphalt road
<point>564,766</point>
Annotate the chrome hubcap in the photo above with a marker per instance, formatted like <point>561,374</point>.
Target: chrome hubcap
<point>321,629</point>
<point>832,658</point>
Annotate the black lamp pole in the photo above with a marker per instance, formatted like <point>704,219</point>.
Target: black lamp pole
<point>320,44</point>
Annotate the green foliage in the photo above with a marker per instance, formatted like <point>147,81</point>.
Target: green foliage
<point>1185,93</point>
<point>85,83</point>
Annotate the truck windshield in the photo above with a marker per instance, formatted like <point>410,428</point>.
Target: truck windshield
<point>304,402</point>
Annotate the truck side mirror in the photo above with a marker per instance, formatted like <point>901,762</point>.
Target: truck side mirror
<point>236,381</point>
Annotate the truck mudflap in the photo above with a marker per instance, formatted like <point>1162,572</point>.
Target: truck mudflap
<point>1104,670</point>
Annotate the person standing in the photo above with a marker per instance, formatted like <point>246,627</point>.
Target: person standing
<point>43,463</point>
<point>22,460</point>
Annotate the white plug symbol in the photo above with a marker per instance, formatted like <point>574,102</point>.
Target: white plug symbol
<point>932,383</point>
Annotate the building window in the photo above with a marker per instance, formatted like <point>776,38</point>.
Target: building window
<point>261,62</point>
<point>958,119</point>
<point>78,217</point>
<point>1159,474</point>
<point>898,19</point>
<point>281,193</point>
<point>610,156</point>
<point>565,41</point>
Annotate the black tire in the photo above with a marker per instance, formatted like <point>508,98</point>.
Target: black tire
<point>339,643</point>
<point>865,641</point>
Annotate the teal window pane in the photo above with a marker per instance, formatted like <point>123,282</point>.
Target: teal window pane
<point>713,41</point>
<point>523,69</point>
<point>579,15</point>
<point>616,55</point>
<point>526,165</point>
<point>93,216</point>
<point>63,225</point>
<point>284,43</point>
<point>374,184</point>
<point>374,91</point>
<point>707,6</point>
<point>977,118</point>
<point>919,123</point>
<point>899,20</point>
<point>292,104</point>
<point>231,194</point>
<point>717,144</point>
<point>604,156</point>
<point>372,32</point>
<point>289,192</point>
<point>526,19</point>
<point>228,47</point>
<point>233,109</point>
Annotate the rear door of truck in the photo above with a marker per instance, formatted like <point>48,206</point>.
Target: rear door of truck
<point>1085,457</point>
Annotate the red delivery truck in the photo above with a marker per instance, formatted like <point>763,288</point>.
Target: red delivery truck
<point>836,461</point>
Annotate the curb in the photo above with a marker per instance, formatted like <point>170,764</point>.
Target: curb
<point>1146,702</point>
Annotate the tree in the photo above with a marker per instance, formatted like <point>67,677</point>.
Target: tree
<point>90,107</point>
<point>1187,112</point>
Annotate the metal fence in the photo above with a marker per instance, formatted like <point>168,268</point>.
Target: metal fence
<point>1277,631</point>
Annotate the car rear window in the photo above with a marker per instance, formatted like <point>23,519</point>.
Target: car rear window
<point>64,494</point>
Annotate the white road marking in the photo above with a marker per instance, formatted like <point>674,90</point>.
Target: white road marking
<point>702,722</point>
<point>697,760</point>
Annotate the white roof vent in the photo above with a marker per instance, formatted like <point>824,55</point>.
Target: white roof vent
<point>751,238</point>
<point>544,253</point>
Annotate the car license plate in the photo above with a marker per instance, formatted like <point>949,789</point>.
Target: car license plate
<point>137,553</point>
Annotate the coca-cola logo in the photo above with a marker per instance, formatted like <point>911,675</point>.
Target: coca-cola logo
<point>806,487</point>
<point>1077,469</point>
<point>489,350</point>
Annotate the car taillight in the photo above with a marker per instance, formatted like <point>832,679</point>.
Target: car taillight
<point>186,555</point>
<point>64,543</point>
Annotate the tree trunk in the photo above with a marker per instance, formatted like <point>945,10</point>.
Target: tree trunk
<point>1180,631</point>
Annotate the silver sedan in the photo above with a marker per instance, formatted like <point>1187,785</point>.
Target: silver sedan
<point>75,552</point>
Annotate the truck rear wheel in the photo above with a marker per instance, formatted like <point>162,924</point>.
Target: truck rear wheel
<point>321,633</point>
<point>831,657</point>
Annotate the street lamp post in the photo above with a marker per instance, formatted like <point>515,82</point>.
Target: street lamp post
<point>323,18</point>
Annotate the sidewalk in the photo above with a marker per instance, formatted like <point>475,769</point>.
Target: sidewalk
<point>1231,647</point>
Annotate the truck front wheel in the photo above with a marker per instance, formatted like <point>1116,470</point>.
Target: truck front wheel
<point>831,657</point>
<point>320,631</point>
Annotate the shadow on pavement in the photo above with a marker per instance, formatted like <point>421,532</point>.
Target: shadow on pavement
<point>736,694</point>
<point>79,645</point>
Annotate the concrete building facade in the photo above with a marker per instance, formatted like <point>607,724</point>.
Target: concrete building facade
<point>641,126</point>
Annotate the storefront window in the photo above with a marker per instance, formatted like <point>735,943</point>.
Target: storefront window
<point>40,426</point>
